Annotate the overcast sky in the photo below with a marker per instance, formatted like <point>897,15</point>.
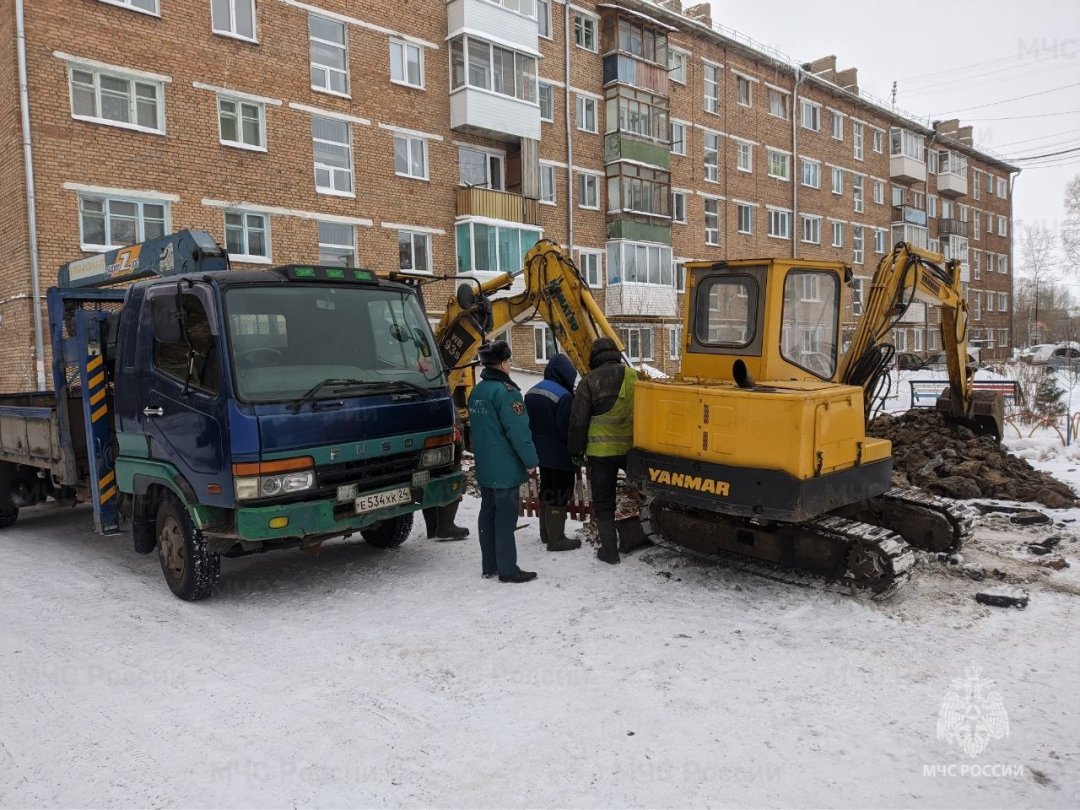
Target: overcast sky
<point>954,59</point>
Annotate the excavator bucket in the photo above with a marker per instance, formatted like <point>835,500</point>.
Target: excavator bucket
<point>987,417</point>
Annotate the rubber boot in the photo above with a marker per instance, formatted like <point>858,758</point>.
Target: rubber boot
<point>544,508</point>
<point>431,520</point>
<point>555,517</point>
<point>609,541</point>
<point>447,529</point>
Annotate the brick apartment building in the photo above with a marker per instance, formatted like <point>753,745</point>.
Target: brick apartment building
<point>447,136</point>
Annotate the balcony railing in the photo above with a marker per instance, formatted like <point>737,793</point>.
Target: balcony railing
<point>952,227</point>
<point>504,205</point>
<point>908,215</point>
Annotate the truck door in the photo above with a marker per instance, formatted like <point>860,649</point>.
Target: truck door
<point>182,414</point>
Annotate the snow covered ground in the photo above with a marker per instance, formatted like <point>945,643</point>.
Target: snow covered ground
<point>368,678</point>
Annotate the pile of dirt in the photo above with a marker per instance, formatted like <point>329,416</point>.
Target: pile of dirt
<point>948,459</point>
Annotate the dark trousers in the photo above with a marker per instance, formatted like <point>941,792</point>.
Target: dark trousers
<point>603,476</point>
<point>556,486</point>
<point>498,519</point>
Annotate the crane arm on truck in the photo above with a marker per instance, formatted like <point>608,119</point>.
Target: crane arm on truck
<point>185,251</point>
<point>554,292</point>
<point>905,275</point>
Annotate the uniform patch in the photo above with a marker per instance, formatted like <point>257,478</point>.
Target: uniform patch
<point>519,409</point>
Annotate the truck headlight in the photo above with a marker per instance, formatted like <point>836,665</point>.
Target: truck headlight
<point>438,456</point>
<point>268,479</point>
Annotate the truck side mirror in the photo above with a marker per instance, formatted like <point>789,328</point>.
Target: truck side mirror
<point>164,317</point>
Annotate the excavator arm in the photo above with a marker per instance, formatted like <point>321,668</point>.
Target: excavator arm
<point>903,276</point>
<point>554,291</point>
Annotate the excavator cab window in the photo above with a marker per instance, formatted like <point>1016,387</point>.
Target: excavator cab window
<point>726,311</point>
<point>810,321</point>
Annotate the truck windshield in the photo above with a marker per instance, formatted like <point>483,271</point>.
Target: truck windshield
<point>283,340</point>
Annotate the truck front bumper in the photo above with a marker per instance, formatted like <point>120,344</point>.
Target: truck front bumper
<point>327,518</point>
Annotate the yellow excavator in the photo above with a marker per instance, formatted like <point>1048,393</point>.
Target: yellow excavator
<point>758,451</point>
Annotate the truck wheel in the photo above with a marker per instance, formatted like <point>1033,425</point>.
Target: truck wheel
<point>389,533</point>
<point>8,517</point>
<point>189,567</point>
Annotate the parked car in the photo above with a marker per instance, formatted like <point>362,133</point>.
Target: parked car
<point>1030,354</point>
<point>937,361</point>
<point>1067,355</point>
<point>909,361</point>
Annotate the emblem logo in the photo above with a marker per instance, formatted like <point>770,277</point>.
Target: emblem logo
<point>971,715</point>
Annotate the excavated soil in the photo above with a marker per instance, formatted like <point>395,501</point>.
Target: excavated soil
<point>950,460</point>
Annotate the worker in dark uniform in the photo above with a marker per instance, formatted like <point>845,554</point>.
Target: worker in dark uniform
<point>505,455</point>
<point>602,432</point>
<point>548,403</point>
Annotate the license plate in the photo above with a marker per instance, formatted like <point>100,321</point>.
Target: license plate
<point>381,500</point>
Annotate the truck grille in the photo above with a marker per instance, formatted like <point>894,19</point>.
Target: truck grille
<point>370,473</point>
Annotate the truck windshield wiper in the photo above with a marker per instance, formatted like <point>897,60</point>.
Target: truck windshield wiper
<point>334,382</point>
<point>396,385</point>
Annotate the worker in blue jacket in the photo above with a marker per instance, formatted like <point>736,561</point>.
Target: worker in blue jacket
<point>548,403</point>
<point>505,454</point>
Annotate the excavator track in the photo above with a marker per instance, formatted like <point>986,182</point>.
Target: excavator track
<point>829,553</point>
<point>925,521</point>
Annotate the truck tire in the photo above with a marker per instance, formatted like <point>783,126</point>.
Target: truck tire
<point>8,517</point>
<point>389,533</point>
<point>189,567</point>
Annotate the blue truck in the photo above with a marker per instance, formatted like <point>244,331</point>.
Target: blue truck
<point>217,411</point>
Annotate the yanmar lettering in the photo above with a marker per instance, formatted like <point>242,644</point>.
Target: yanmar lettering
<point>694,482</point>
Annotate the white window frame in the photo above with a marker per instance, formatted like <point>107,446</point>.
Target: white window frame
<point>776,218</point>
<point>1002,188</point>
<point>711,167</point>
<point>976,272</point>
<point>230,31</point>
<point>786,160</point>
<point>809,115</point>
<point>879,240</point>
<point>133,81</point>
<point>877,140</point>
<point>245,256</point>
<point>744,149</point>
<point>837,234</point>
<point>130,5</point>
<point>413,236</point>
<point>858,131</point>
<point>543,18</point>
<point>711,100</point>
<point>678,275</point>
<point>106,200</point>
<point>712,234</point>
<point>857,244</point>
<point>540,85</point>
<point>547,184</point>
<point>785,103</point>
<point>838,126</point>
<point>543,332</point>
<point>879,191</point>
<point>1003,226</point>
<point>331,189</point>
<point>1002,263</point>
<point>675,341</point>
<point>404,48</point>
<point>629,334</point>
<point>837,180</point>
<point>328,70</point>
<point>811,229</point>
<point>681,141</point>
<point>239,104</point>
<point>412,143</point>
<point>351,245</point>
<point>856,295</point>
<point>583,105</point>
<point>589,260</point>
<point>814,168</point>
<point>858,193</point>
<point>748,210</point>
<point>678,209</point>
<point>677,72</point>
<point>587,181</point>
<point>489,158</point>
<point>587,25</point>
<point>740,83</point>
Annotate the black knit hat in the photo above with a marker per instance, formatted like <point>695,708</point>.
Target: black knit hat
<point>491,354</point>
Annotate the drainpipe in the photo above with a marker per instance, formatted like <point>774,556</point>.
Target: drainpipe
<point>31,203</point>
<point>796,172</point>
<point>569,133</point>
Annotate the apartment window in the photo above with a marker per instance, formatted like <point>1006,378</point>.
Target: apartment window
<point>333,156</point>
<point>337,244</point>
<point>638,188</point>
<point>811,173</point>
<point>856,295</point>
<point>712,221</point>
<point>976,222</point>
<point>109,222</point>
<point>247,236</point>
<point>838,126</point>
<point>479,168</point>
<point>712,157</point>
<point>476,63</point>
<point>931,206</point>
<point>779,164</point>
<point>743,92</point>
<point>678,138</point>
<point>149,6</point>
<point>586,114</point>
<point>811,287</point>
<point>879,192</point>
<point>975,191</point>
<point>589,263</point>
<point>547,102</point>
<point>406,63</point>
<point>410,157</point>
<point>976,305</point>
<point>838,234</point>
<point>639,262</point>
<point>678,206</point>
<point>975,272</point>
<point>680,276</point>
<point>857,244</point>
<point>810,115</point>
<point>811,230</point>
<point>1003,226</point>
<point>414,251</point>
<point>1003,337</point>
<point>588,190</point>
<point>989,301</point>
<point>946,209</point>
<point>234,18</point>
<point>712,88</point>
<point>547,184</point>
<point>489,248</point>
<point>674,342</point>
<point>543,18</point>
<point>857,138</point>
<point>898,195</point>
<point>639,112</point>
<point>744,156</point>
<point>879,240</point>
<point>857,193</point>
<point>878,140</point>
<point>779,223</point>
<point>989,223</point>
<point>329,55</point>
<point>1002,188</point>
<point>932,162</point>
<point>585,32</point>
<point>745,218</point>
<point>544,346</point>
<point>638,343</point>
<point>1002,263</point>
<point>837,181</point>
<point>778,103</point>
<point>677,66</point>
<point>903,142</point>
<point>241,123</point>
<point>916,340</point>
<point>117,99</point>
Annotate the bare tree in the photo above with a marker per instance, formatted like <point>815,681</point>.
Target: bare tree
<point>1038,249</point>
<point>1070,231</point>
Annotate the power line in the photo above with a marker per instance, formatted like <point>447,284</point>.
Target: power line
<point>1017,98</point>
<point>1025,117</point>
<point>964,68</point>
<point>1047,155</point>
<point>1064,143</point>
<point>980,79</point>
<point>1039,138</point>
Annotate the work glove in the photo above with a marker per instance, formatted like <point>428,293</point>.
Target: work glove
<point>577,461</point>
